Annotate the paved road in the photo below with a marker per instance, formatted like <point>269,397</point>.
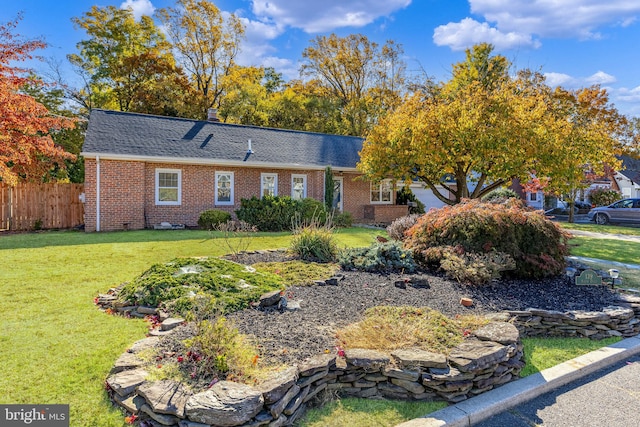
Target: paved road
<point>607,398</point>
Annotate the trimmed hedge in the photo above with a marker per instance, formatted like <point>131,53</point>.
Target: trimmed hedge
<point>275,213</point>
<point>211,219</point>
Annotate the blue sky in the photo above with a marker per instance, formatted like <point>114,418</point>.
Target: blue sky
<point>575,43</point>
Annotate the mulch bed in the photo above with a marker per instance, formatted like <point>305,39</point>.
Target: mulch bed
<point>291,336</point>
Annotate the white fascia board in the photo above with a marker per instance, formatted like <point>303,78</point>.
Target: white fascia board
<point>216,162</point>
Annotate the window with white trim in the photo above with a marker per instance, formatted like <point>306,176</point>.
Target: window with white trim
<point>224,188</point>
<point>381,192</point>
<point>268,184</point>
<point>533,196</point>
<point>168,186</point>
<point>298,186</point>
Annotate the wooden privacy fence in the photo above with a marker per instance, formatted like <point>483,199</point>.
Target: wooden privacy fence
<point>41,206</point>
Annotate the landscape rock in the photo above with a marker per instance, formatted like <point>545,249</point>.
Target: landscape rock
<point>124,383</point>
<point>171,323</point>
<point>277,386</point>
<point>369,360</point>
<point>500,332</point>
<point>415,357</point>
<point>127,361</point>
<point>270,299</point>
<point>165,420</point>
<point>166,396</point>
<point>475,355</point>
<point>225,404</point>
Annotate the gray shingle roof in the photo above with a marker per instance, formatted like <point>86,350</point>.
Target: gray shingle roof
<point>145,136</point>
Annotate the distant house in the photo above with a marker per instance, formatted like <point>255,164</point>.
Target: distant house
<point>627,180</point>
<point>142,170</point>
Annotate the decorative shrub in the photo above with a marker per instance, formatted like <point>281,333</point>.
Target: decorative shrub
<point>399,226</point>
<point>604,196</point>
<point>314,243</point>
<point>275,213</point>
<point>379,257</point>
<point>343,220</point>
<point>312,210</point>
<point>536,244</point>
<point>219,350</point>
<point>210,219</point>
<point>500,195</point>
<point>475,268</point>
<point>405,195</point>
<point>271,213</point>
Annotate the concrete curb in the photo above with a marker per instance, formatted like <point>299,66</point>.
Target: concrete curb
<point>479,408</point>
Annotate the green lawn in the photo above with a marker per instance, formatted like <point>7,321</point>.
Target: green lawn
<point>56,346</point>
<point>609,229</point>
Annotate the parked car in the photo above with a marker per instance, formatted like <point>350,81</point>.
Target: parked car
<point>622,211</point>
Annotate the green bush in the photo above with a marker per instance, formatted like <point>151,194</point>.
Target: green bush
<point>399,226</point>
<point>472,267</point>
<point>379,257</point>
<point>312,210</point>
<point>604,196</point>
<point>210,219</point>
<point>405,195</point>
<point>343,220</point>
<point>271,213</point>
<point>500,195</point>
<point>314,243</point>
<point>536,245</point>
<point>275,213</point>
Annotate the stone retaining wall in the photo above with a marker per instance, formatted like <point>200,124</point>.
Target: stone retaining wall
<point>491,357</point>
<point>621,320</point>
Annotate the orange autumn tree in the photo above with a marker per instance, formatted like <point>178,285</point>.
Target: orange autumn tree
<point>27,151</point>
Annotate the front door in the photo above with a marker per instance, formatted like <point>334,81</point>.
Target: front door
<point>338,194</point>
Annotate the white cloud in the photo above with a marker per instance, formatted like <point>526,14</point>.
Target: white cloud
<point>139,7</point>
<point>560,79</point>
<point>629,95</point>
<point>466,33</point>
<point>521,23</point>
<point>327,15</point>
<point>600,78</point>
<point>566,18</point>
<point>570,82</point>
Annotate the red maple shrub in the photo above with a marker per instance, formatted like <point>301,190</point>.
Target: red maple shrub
<point>489,239</point>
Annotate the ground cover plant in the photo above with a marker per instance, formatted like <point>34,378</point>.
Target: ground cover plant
<point>173,285</point>
<point>388,328</point>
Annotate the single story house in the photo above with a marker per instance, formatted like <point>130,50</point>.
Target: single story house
<point>142,170</point>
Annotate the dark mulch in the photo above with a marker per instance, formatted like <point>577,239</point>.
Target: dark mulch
<point>292,336</point>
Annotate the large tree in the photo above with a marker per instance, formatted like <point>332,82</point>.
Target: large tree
<point>483,128</point>
<point>207,42</point>
<point>364,78</point>
<point>27,151</point>
<point>128,65</point>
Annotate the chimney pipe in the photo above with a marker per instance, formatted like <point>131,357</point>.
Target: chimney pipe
<point>249,150</point>
<point>212,115</point>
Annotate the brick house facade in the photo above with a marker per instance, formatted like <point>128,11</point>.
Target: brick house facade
<point>141,170</point>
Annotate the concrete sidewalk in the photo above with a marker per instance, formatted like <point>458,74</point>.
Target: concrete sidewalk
<point>484,406</point>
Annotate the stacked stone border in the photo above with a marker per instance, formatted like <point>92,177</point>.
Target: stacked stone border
<point>491,357</point>
<point>620,320</point>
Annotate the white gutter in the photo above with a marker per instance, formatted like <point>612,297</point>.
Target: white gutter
<point>97,193</point>
<point>216,162</point>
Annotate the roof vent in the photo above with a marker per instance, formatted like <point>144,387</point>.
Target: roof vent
<point>249,149</point>
<point>212,115</point>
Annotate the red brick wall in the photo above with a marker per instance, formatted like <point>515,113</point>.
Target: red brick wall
<point>127,192</point>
